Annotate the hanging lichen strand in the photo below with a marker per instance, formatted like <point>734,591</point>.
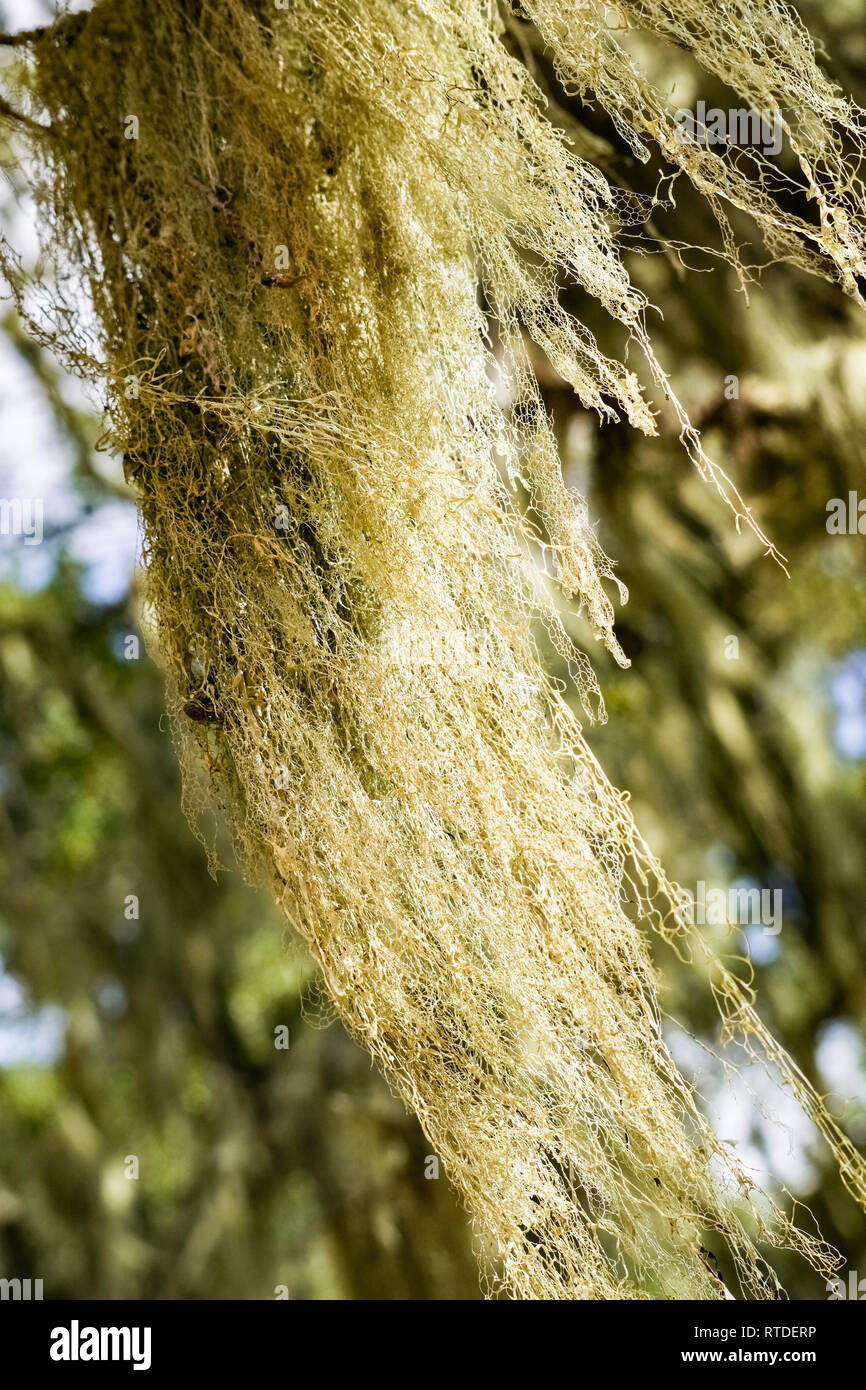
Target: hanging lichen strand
<point>284,263</point>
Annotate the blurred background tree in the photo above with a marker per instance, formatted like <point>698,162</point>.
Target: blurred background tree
<point>145,1044</point>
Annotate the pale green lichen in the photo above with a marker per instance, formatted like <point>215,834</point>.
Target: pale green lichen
<point>285,268</point>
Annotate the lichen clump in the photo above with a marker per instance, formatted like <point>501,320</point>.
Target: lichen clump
<point>315,267</point>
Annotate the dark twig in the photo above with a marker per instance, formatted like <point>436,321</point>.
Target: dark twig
<point>12,115</point>
<point>19,40</point>
<point>280,279</point>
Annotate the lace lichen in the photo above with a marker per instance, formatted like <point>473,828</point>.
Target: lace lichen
<point>329,447</point>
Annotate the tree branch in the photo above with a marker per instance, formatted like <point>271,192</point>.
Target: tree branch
<point>66,27</point>
<point>18,116</point>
